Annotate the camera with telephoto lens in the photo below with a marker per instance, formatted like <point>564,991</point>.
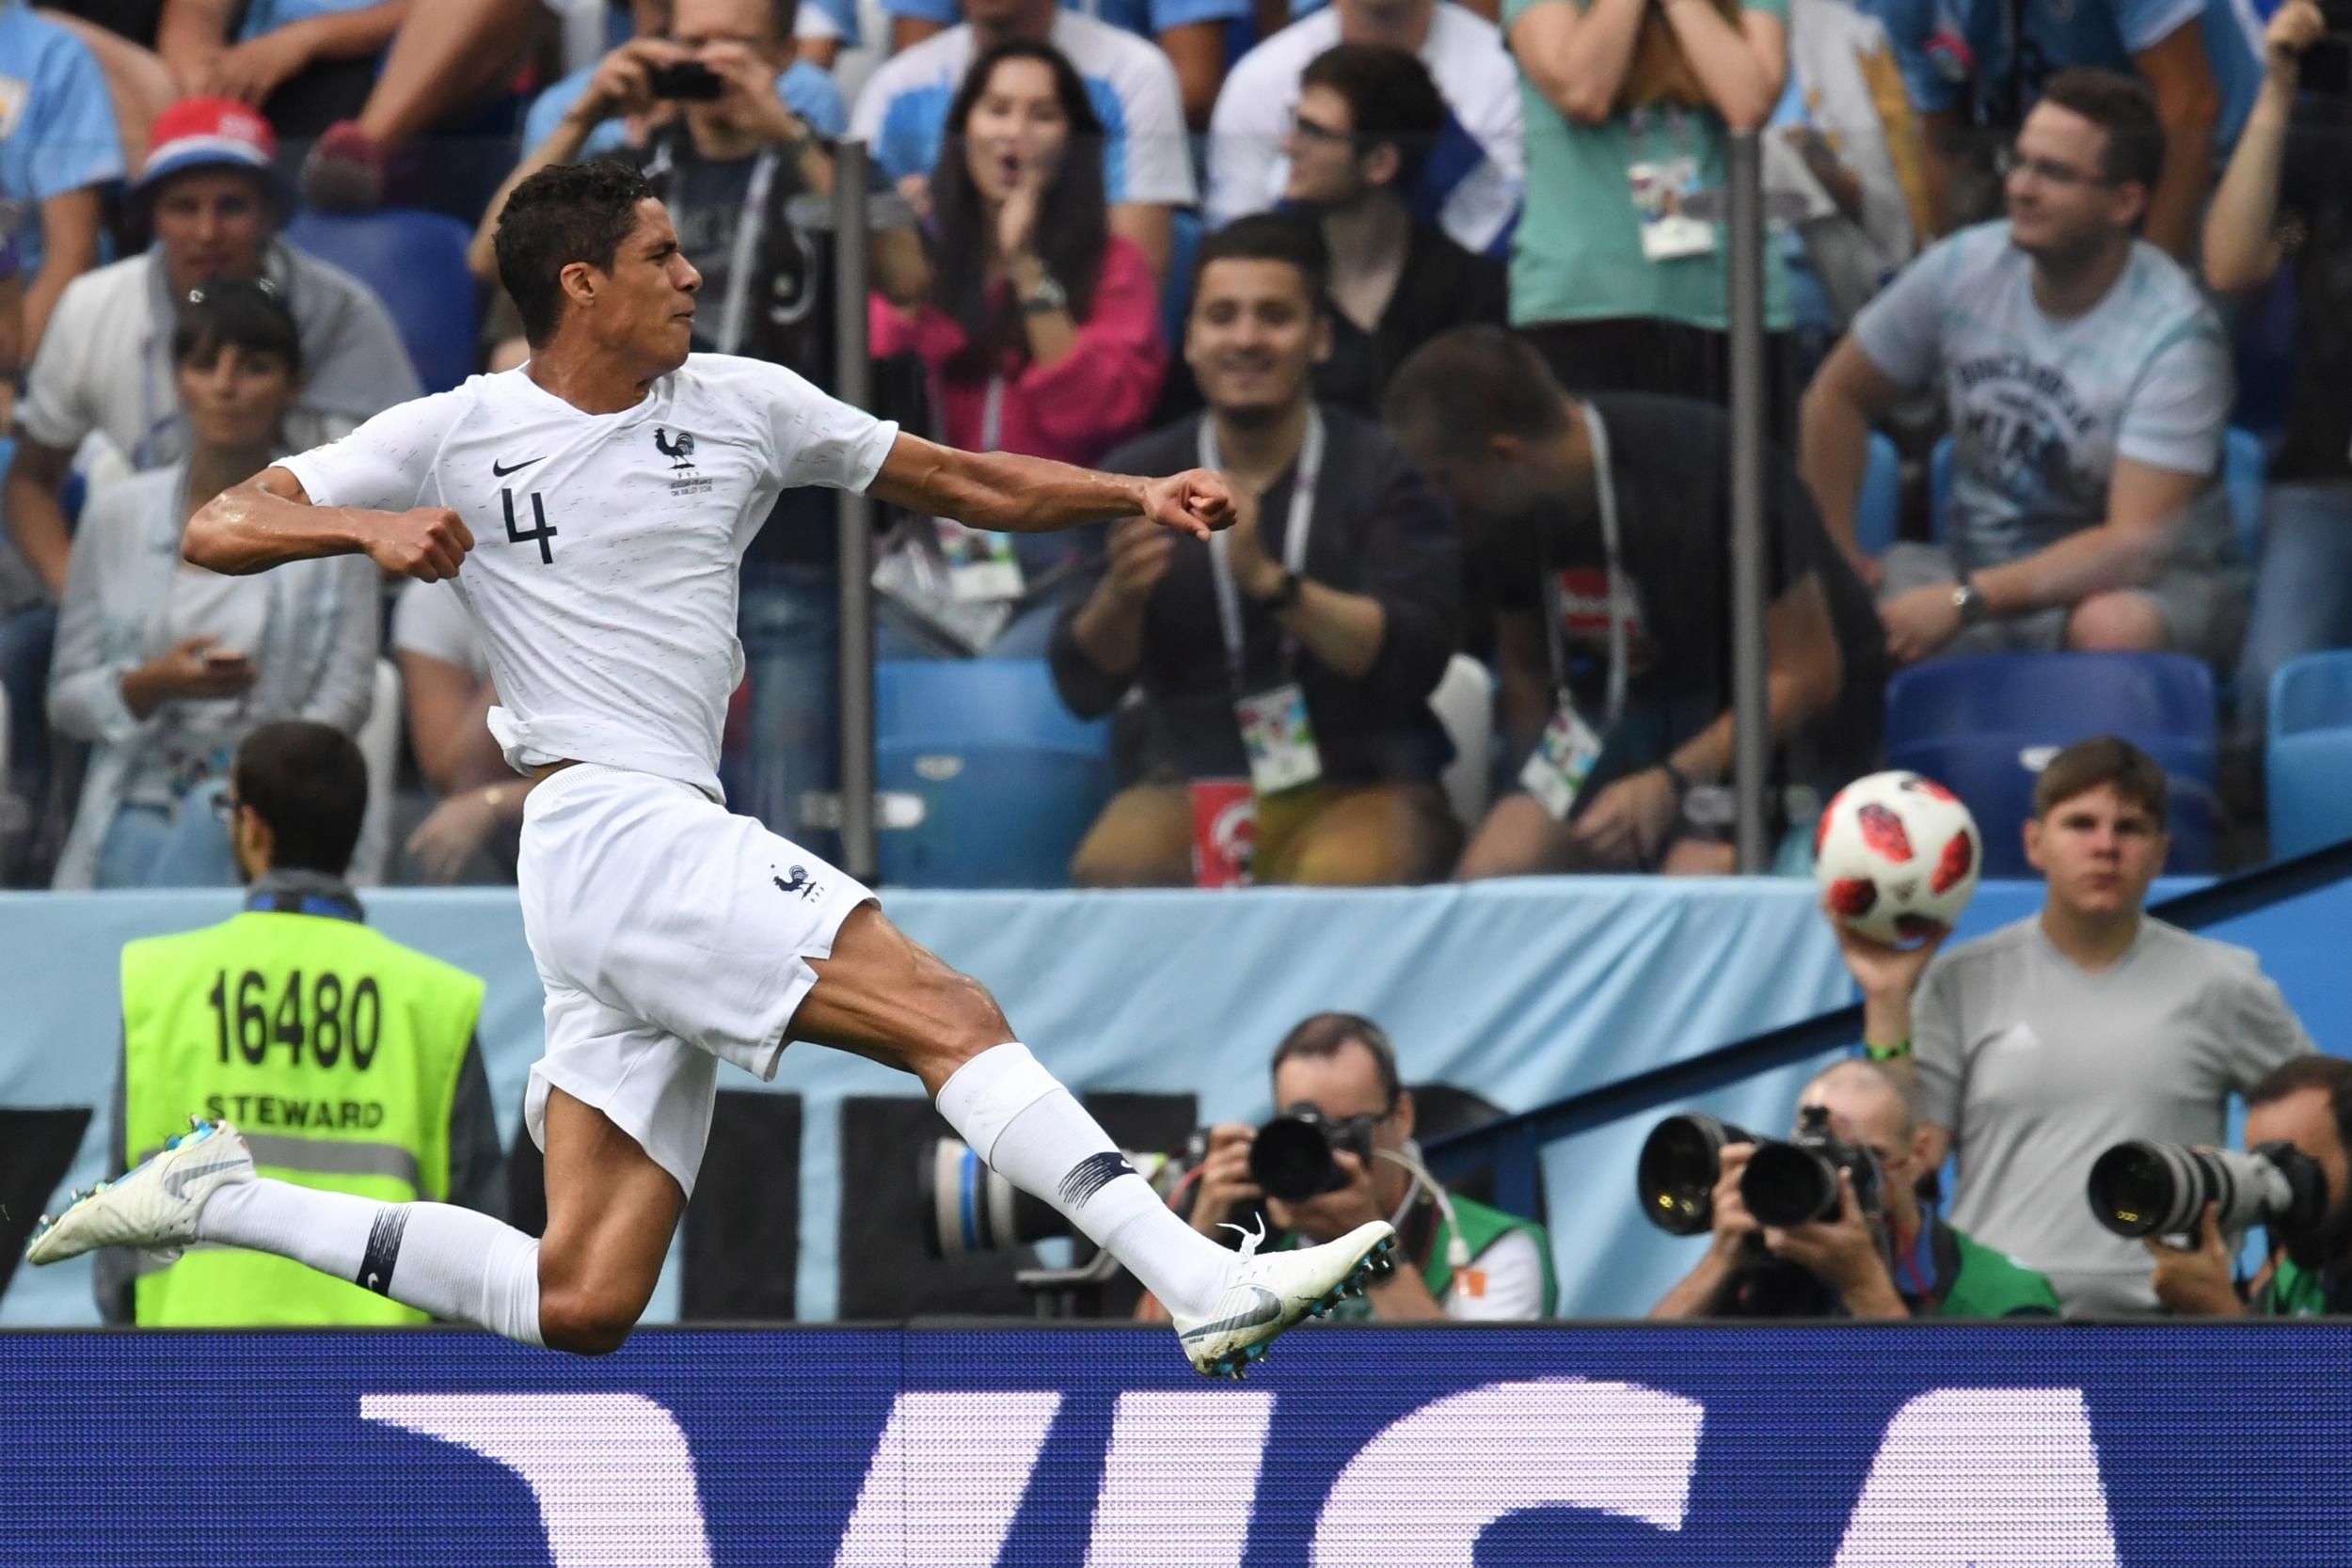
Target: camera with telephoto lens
<point>1791,1181</point>
<point>1290,1158</point>
<point>972,1209</point>
<point>689,81</point>
<point>2152,1189</point>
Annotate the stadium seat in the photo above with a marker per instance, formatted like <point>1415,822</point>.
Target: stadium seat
<point>1464,704</point>
<point>2054,698</point>
<point>2243,469</point>
<point>1995,774</point>
<point>2310,753</point>
<point>416,263</point>
<point>1878,508</point>
<point>1008,780</point>
<point>1176,293</point>
<point>379,745</point>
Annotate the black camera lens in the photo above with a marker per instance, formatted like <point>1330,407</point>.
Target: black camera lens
<point>1675,1179</point>
<point>1787,1183</point>
<point>1291,1159</point>
<point>2151,1189</point>
<point>2146,1189</point>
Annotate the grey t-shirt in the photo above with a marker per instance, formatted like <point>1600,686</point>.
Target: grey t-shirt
<point>2041,408</point>
<point>2038,1068</point>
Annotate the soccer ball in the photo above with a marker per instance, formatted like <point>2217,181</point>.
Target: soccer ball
<point>1898,856</point>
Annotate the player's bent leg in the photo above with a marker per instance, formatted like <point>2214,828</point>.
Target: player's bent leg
<point>883,995</point>
<point>611,1214</point>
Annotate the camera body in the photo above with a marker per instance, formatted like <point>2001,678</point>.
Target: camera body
<point>688,81</point>
<point>2142,1188</point>
<point>1291,1157</point>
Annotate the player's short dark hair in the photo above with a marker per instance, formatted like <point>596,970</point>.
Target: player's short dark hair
<point>1324,1035</point>
<point>2122,106</point>
<point>2106,759</point>
<point>1291,238</point>
<point>240,312</point>
<point>1392,99</point>
<point>2332,1073</point>
<point>563,213</point>
<point>1463,388</point>
<point>309,781</point>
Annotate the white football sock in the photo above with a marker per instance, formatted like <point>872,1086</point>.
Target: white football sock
<point>440,1258</point>
<point>1027,1127</point>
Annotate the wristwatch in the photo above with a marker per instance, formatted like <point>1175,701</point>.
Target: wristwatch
<point>1968,600</point>
<point>1048,295</point>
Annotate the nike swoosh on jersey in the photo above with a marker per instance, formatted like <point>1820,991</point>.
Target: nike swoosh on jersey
<point>176,1181</point>
<point>1268,1307</point>
<point>501,471</point>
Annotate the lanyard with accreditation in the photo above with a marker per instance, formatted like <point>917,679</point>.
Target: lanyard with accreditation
<point>1274,725</point>
<point>1564,757</point>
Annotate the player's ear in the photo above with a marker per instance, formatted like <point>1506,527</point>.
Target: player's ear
<point>579,282</point>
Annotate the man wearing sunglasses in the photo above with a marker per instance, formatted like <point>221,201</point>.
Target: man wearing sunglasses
<point>2088,388</point>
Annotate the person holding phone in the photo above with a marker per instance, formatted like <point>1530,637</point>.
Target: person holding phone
<point>164,667</point>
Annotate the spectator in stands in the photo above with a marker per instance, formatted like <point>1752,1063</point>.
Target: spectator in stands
<point>2087,385</point>
<point>1975,67</point>
<point>1344,1067</point>
<point>473,831</point>
<point>1469,181</point>
<point>302,63</point>
<point>901,113</point>
<point>1572,505</point>
<point>1191,33</point>
<point>2283,200</point>
<point>59,148</point>
<point>1368,118</point>
<point>1903,1262</point>
<point>106,370</point>
<point>361,1018</point>
<point>2040,1046</point>
<point>1040,328</point>
<point>137,81</point>
<point>1628,105</point>
<point>164,667</point>
<point>2306,1105</point>
<point>1330,605</point>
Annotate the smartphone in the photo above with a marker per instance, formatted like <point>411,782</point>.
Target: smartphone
<point>689,81</point>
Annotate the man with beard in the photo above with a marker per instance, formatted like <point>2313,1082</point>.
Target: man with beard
<point>2088,386</point>
<point>2306,1102</point>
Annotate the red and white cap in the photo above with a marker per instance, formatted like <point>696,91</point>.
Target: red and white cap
<point>199,133</point>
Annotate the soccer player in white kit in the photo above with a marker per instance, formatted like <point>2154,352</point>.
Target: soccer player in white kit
<point>592,509</point>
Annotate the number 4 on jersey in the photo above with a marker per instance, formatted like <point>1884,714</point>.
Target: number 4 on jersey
<point>540,536</point>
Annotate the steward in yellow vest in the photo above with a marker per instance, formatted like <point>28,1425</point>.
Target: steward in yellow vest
<point>348,1061</point>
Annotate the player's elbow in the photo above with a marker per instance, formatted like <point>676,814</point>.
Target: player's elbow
<point>206,541</point>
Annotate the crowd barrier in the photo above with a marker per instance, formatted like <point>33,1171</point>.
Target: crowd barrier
<point>1522,993</point>
<point>2052,1446</point>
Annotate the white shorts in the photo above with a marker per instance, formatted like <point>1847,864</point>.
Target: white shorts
<point>670,935</point>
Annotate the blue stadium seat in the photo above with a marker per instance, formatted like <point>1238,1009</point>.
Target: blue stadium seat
<point>416,263</point>
<point>2243,469</point>
<point>2054,698</point>
<point>1878,507</point>
<point>1176,293</point>
<point>1995,774</point>
<point>2310,754</point>
<point>1009,780</point>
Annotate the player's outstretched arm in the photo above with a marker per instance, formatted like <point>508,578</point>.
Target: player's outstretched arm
<point>1011,494</point>
<point>269,521</point>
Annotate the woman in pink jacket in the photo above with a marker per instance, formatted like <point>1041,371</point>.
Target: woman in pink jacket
<point>1040,328</point>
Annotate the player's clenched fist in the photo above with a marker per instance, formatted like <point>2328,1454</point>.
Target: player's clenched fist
<point>427,543</point>
<point>1197,501</point>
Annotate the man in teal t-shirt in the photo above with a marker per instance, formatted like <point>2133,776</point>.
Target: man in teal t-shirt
<point>2306,1105</point>
<point>1620,288</point>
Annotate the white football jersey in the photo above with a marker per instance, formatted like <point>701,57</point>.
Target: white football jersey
<point>608,548</point>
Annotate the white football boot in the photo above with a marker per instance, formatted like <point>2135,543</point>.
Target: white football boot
<point>153,1206</point>
<point>1274,1292</point>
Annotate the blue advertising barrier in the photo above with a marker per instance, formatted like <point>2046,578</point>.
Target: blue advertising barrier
<point>1851,1445</point>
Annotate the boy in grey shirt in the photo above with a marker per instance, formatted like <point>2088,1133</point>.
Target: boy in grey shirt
<point>2088,386</point>
<point>2040,1046</point>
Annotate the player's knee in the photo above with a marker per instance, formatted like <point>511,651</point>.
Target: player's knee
<point>972,1021</point>
<point>584,1321</point>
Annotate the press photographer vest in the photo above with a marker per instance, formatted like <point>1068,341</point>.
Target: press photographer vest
<point>1482,1227</point>
<point>332,1048</point>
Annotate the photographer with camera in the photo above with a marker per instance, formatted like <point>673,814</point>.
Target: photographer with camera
<point>2295,1179</point>
<point>1341,1153</point>
<point>1868,1250</point>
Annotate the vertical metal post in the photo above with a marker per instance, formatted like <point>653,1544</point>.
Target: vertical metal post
<point>1751,715</point>
<point>853,384</point>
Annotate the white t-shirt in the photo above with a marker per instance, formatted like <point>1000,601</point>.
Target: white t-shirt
<point>606,547</point>
<point>430,619</point>
<point>1475,73</point>
<point>901,113</point>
